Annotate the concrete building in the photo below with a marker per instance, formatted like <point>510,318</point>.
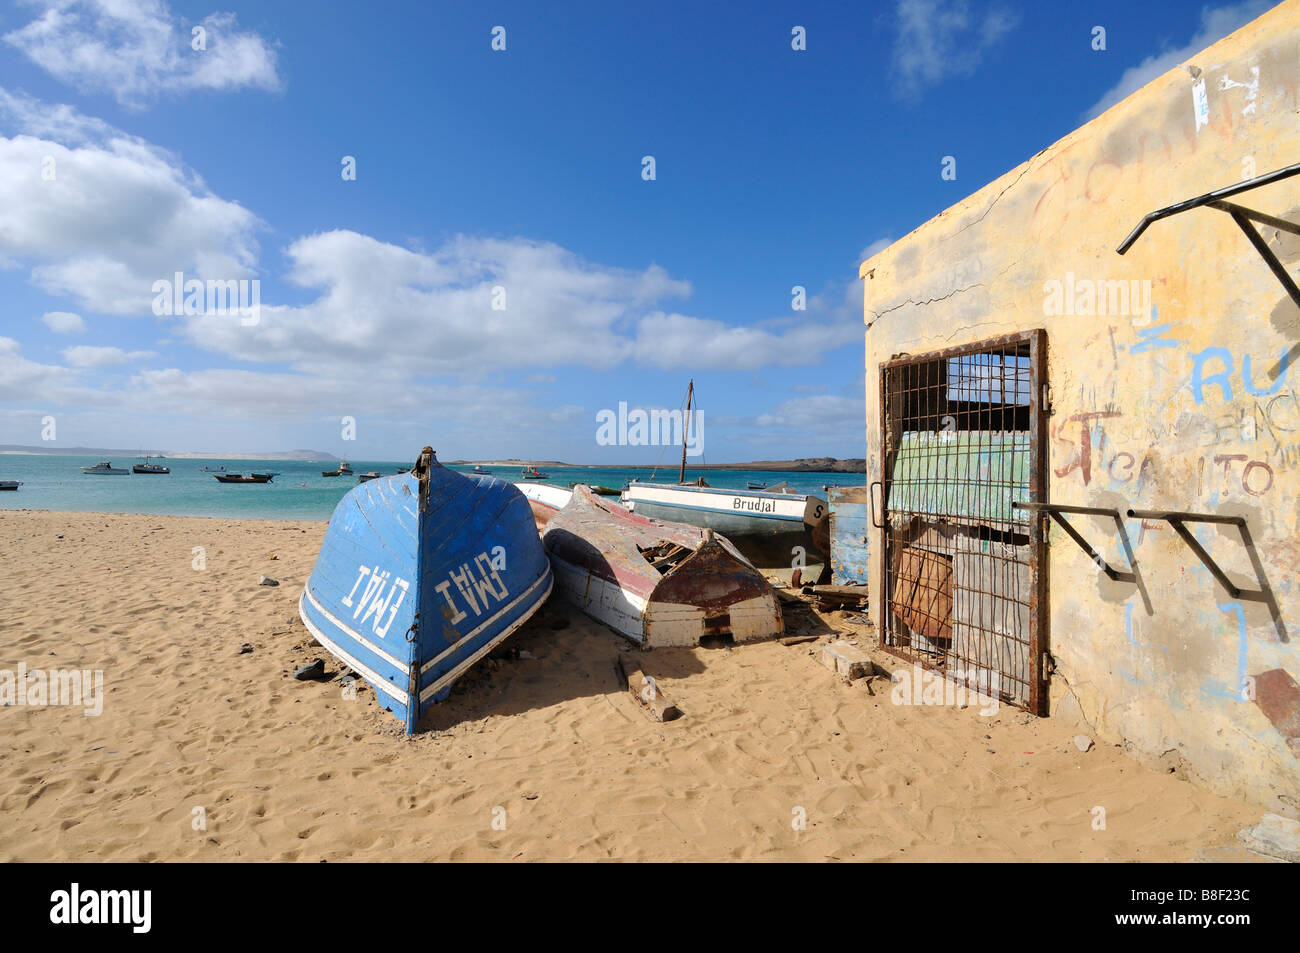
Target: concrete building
<point>1014,357</point>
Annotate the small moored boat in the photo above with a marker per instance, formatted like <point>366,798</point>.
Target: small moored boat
<point>479,469</point>
<point>9,484</point>
<point>532,473</point>
<point>372,475</point>
<point>236,478</point>
<point>755,485</point>
<point>341,470</point>
<point>420,575</point>
<point>105,468</point>
<point>148,467</point>
<point>656,583</point>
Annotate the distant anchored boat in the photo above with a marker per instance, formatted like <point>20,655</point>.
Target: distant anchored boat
<point>236,478</point>
<point>532,473</point>
<point>656,583</point>
<point>341,470</point>
<point>105,468</point>
<point>420,575</point>
<point>365,477</point>
<point>9,484</point>
<point>148,467</point>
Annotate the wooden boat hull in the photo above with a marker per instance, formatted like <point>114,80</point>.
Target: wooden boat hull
<point>236,478</point>
<point>419,576</point>
<point>605,556</point>
<point>9,484</point>
<point>545,501</point>
<point>773,529</point>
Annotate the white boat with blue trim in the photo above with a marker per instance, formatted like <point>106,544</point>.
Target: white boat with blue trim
<point>420,575</point>
<point>771,525</point>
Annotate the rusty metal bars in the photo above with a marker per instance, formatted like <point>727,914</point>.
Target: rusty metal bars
<point>961,568</point>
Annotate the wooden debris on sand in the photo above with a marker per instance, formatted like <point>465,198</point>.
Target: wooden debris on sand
<point>647,691</point>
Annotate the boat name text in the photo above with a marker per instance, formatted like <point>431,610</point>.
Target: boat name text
<point>475,589</point>
<point>373,601</point>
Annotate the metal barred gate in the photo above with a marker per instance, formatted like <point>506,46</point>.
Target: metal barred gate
<point>963,576</point>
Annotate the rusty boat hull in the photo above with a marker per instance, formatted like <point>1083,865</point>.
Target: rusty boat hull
<point>655,582</point>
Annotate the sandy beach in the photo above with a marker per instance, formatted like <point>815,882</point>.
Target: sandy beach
<point>204,752</point>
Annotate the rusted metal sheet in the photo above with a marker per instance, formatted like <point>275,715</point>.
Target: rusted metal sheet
<point>849,534</point>
<point>658,583</point>
<point>923,594</point>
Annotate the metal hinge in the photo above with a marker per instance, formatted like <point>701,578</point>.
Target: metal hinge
<point>1047,397</point>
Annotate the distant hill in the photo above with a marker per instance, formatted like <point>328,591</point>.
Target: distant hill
<point>109,453</point>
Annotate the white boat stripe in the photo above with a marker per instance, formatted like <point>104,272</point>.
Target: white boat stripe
<point>438,658</point>
<point>353,633</point>
<point>456,672</point>
<point>369,674</point>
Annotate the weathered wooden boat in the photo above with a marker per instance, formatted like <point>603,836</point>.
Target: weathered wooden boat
<point>150,468</point>
<point>755,485</point>
<point>763,524</point>
<point>365,477</point>
<point>237,478</point>
<point>775,528</point>
<point>544,500</point>
<point>419,576</point>
<point>656,583</point>
<point>600,490</point>
<point>341,470</point>
<point>105,468</point>
<point>9,484</point>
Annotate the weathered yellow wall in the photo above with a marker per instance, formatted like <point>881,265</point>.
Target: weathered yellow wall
<point>1129,426</point>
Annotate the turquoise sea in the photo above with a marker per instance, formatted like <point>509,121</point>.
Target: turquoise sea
<point>299,492</point>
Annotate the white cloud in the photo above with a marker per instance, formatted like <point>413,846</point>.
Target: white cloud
<point>398,402</point>
<point>138,50</point>
<point>86,355</point>
<point>381,305</point>
<point>100,215</point>
<point>23,380</point>
<point>940,38</point>
<point>1216,23</point>
<point>670,341</point>
<point>875,248</point>
<point>63,322</point>
<point>821,413</point>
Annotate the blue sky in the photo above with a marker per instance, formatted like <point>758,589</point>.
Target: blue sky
<point>518,169</point>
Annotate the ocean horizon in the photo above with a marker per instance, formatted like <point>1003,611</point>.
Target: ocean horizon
<point>298,492</point>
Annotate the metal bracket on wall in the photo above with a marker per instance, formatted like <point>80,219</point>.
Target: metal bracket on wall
<point>1241,215</point>
<point>1177,519</point>
<point>1057,510</point>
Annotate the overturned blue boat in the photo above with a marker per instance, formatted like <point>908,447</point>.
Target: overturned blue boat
<point>420,575</point>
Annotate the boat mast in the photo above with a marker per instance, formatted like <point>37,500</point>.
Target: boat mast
<point>681,477</point>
